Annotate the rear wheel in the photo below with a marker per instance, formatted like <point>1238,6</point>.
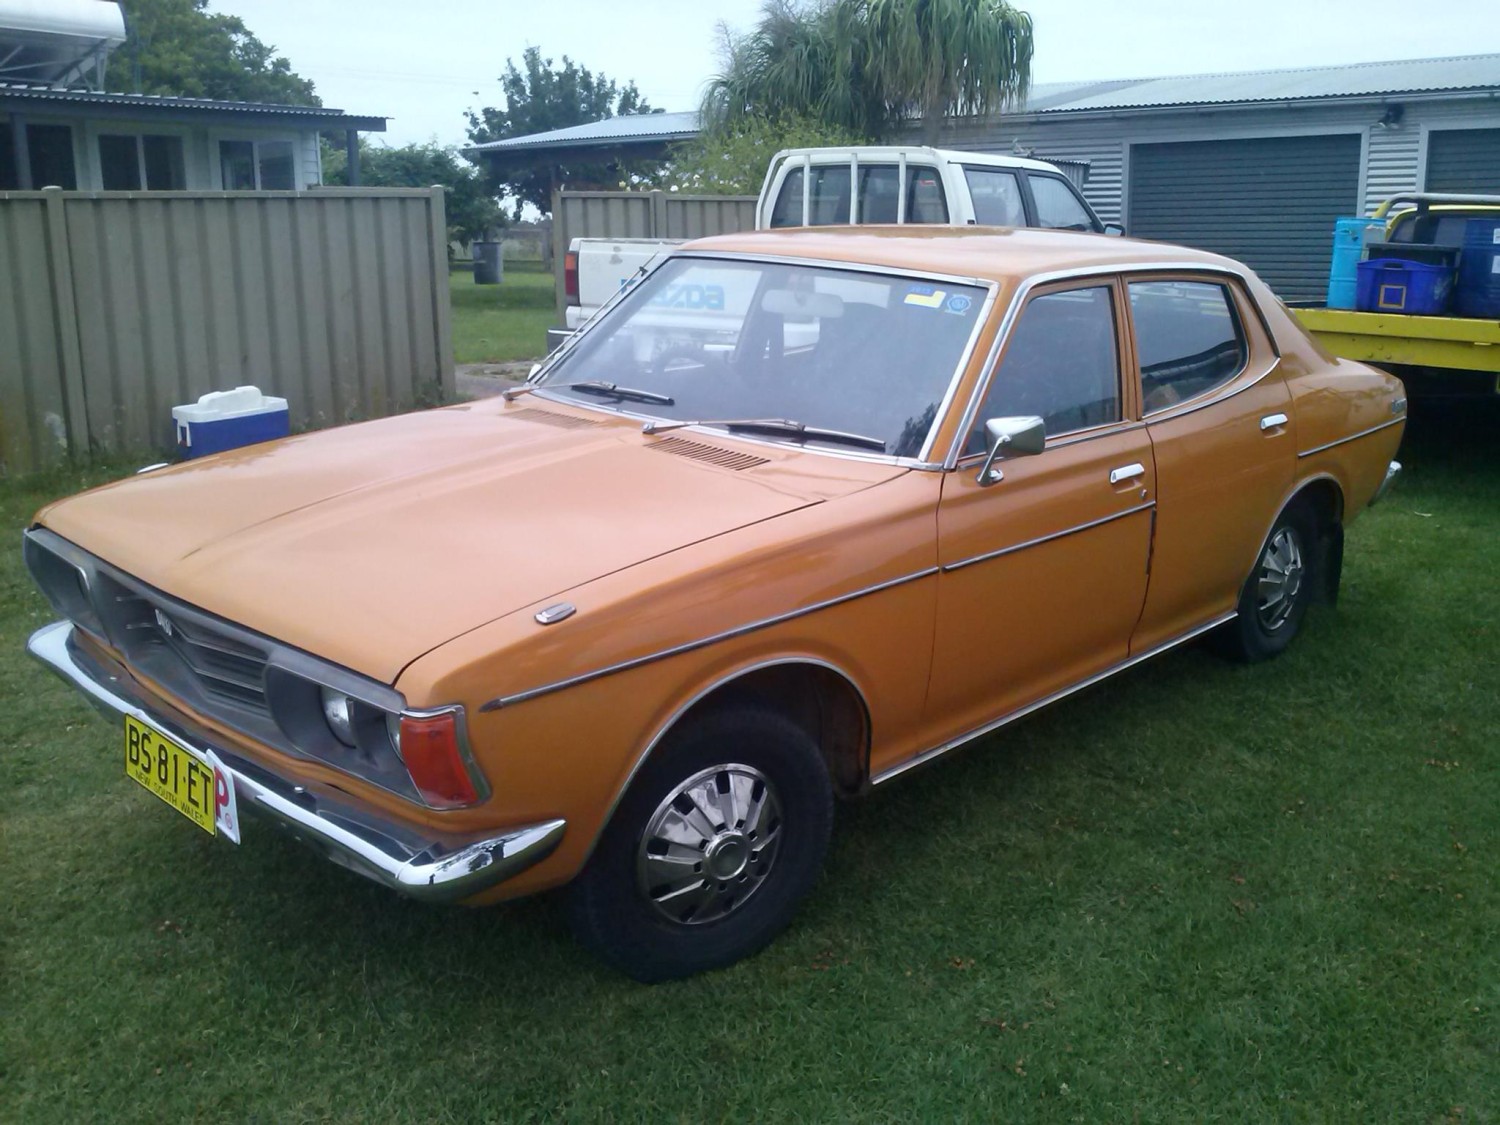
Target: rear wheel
<point>711,850</point>
<point>1275,597</point>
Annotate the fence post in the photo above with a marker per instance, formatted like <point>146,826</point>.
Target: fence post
<point>441,302</point>
<point>559,254</point>
<point>65,309</point>
<point>658,215</point>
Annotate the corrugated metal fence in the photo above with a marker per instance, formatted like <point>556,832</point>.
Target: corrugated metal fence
<point>642,214</point>
<point>115,306</point>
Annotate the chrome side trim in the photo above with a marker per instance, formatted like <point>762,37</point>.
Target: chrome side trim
<point>1105,272</point>
<point>988,555</point>
<point>676,716</point>
<point>1352,437</point>
<point>435,870</point>
<point>1021,712</point>
<point>692,646</point>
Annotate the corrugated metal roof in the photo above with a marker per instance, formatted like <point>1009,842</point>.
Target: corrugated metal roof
<point>633,128</point>
<point>15,91</point>
<point>1404,76</point>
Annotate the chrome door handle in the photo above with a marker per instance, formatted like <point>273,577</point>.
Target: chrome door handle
<point>1126,472</point>
<point>1271,421</point>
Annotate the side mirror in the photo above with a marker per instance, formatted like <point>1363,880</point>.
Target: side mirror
<point>1114,228</point>
<point>1023,436</point>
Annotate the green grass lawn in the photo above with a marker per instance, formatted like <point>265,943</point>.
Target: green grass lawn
<point>1197,893</point>
<point>505,322</point>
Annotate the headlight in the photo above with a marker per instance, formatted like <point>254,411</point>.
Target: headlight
<point>338,710</point>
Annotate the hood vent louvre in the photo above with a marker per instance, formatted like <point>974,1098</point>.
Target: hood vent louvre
<point>724,458</point>
<point>548,418</point>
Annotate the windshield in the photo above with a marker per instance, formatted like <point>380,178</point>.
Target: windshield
<point>862,354</point>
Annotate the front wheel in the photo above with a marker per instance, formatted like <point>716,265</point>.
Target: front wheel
<point>1275,597</point>
<point>711,850</point>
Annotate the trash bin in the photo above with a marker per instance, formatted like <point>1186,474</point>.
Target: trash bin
<point>223,420</point>
<point>489,263</point>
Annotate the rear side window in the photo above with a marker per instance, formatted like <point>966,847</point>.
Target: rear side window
<point>1060,363</point>
<point>1188,337</point>
<point>997,197</point>
<point>1057,206</point>
<point>880,187</point>
<point>828,204</point>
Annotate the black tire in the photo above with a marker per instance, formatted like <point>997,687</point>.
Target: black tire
<point>1266,625</point>
<point>622,908</point>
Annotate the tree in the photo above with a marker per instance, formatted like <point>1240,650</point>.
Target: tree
<point>732,160</point>
<point>541,97</point>
<point>871,65</point>
<point>933,58</point>
<point>471,209</point>
<point>177,47</point>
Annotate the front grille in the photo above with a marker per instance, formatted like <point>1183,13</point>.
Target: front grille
<point>188,652</point>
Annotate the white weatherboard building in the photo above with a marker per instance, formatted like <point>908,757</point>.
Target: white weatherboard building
<point>57,128</point>
<point>1256,165</point>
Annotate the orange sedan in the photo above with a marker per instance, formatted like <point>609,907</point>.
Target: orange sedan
<point>799,511</point>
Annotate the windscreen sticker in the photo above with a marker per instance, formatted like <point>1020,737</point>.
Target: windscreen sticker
<point>925,296</point>
<point>958,304</point>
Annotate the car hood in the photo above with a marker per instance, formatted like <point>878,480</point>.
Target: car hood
<point>372,544</point>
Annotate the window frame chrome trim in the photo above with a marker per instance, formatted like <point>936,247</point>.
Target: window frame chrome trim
<point>1351,437</point>
<point>948,568</point>
<point>1106,272</point>
<point>500,702</point>
<point>923,460</point>
<point>933,753</point>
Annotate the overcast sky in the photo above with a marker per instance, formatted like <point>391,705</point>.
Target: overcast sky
<point>423,62</point>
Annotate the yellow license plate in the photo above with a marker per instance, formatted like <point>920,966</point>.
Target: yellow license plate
<point>173,773</point>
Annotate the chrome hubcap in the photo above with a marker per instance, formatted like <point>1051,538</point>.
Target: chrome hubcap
<point>1281,574</point>
<point>710,845</point>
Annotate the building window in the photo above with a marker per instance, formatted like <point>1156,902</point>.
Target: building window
<point>50,148</point>
<point>257,165</point>
<point>128,163</point>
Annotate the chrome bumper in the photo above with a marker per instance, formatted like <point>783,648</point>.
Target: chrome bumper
<point>1392,471</point>
<point>435,870</point>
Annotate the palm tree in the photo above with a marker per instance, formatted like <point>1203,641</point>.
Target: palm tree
<point>933,58</point>
<point>867,65</point>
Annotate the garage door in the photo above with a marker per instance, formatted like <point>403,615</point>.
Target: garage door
<point>1269,202</point>
<point>1463,160</point>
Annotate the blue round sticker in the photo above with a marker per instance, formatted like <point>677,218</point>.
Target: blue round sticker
<point>958,303</point>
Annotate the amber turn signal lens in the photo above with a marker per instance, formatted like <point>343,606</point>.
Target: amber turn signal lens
<point>429,747</point>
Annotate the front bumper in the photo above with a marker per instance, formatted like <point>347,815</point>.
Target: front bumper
<point>1392,471</point>
<point>432,869</point>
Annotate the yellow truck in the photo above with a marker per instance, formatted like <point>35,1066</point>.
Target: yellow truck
<point>1437,354</point>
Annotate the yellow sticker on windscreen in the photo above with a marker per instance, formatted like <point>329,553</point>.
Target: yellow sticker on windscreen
<point>925,296</point>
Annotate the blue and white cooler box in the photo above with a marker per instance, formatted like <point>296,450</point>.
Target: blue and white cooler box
<point>223,420</point>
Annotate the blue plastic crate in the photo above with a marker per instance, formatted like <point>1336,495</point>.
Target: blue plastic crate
<point>1398,286</point>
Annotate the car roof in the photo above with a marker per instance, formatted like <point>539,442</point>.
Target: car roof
<point>989,253</point>
<point>840,155</point>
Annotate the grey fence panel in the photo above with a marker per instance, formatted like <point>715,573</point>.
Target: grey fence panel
<point>641,214</point>
<point>115,306</point>
<point>33,403</point>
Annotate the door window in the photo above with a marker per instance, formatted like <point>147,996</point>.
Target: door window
<point>997,197</point>
<point>1188,338</point>
<point>1060,363</point>
<point>1057,206</point>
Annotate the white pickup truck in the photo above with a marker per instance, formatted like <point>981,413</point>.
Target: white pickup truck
<point>867,184</point>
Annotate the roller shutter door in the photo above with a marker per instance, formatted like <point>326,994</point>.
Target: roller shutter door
<point>1270,202</point>
<point>1464,160</point>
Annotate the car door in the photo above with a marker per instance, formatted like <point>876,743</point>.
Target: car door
<point>1219,415</point>
<point>1043,573</point>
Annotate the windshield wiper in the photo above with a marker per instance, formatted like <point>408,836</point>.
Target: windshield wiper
<point>593,387</point>
<point>773,426</point>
